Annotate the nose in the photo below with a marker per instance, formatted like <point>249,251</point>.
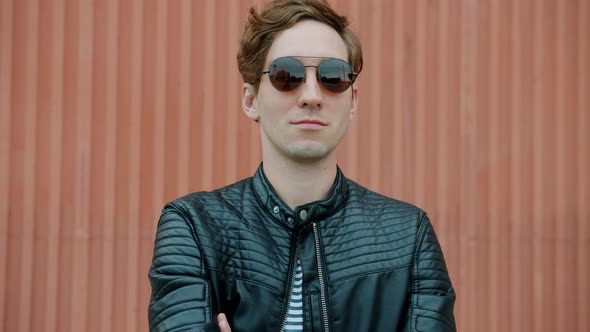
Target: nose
<point>311,92</point>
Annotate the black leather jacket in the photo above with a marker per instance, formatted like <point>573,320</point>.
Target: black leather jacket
<point>370,263</point>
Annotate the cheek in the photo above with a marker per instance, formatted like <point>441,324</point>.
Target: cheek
<point>272,101</point>
<point>345,107</point>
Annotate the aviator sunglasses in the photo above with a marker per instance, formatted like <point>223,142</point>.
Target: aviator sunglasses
<point>287,73</point>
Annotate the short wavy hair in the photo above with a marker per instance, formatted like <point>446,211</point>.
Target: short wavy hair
<point>279,15</point>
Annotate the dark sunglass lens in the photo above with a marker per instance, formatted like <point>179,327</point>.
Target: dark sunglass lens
<point>335,75</point>
<point>286,74</point>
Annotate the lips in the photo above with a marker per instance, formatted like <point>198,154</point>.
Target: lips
<point>310,122</point>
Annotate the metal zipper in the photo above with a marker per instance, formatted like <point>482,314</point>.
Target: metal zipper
<point>293,270</point>
<point>320,276</point>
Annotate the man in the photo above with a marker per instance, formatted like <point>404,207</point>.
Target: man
<point>298,246</point>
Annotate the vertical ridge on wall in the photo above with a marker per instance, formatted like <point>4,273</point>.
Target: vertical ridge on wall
<point>583,214</point>
<point>468,259</point>
<point>430,101</point>
<point>398,36</point>
<point>548,199</point>
<point>97,183</point>
<point>219,95</point>
<point>234,171</point>
<point>159,160</point>
<point>494,174</point>
<point>197,95</point>
<point>122,172</point>
<point>521,156</point>
<point>486,131</point>
<point>373,114</point>
<point>29,104</point>
<point>537,189</point>
<point>183,96</point>
<point>515,154</point>
<point>81,173</point>
<point>208,118</point>
<point>441,146</point>
<point>6,63</point>
<point>111,88</point>
<point>409,95</point>
<point>504,201</point>
<point>54,172</point>
<point>136,76</point>
<point>453,251</point>
<point>421,23</point>
<point>566,162</point>
<point>351,141</point>
<point>148,206</point>
<point>172,111</point>
<point>152,138</point>
<point>6,49</point>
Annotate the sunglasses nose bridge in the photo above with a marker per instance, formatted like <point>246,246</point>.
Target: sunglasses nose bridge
<point>315,73</point>
<point>310,93</point>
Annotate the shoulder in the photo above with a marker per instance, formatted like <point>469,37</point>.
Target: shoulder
<point>376,210</point>
<point>376,202</point>
<point>204,202</point>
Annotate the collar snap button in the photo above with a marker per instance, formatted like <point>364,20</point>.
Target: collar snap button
<point>303,215</point>
<point>275,209</point>
<point>290,220</point>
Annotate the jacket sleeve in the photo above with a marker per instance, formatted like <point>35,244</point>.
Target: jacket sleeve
<point>433,297</point>
<point>180,299</point>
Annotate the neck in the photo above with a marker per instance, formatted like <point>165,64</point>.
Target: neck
<point>298,184</point>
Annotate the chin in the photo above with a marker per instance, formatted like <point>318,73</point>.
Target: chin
<point>309,154</point>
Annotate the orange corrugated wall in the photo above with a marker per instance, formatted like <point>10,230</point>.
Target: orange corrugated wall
<point>477,111</point>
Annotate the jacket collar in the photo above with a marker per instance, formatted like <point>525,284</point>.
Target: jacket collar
<point>301,215</point>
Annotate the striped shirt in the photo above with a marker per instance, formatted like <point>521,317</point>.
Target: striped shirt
<point>295,313</point>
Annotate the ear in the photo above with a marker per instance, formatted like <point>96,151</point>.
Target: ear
<point>354,102</point>
<point>249,102</point>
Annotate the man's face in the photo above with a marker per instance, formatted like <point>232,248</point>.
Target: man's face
<point>306,124</point>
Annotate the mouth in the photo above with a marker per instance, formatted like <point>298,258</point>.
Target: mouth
<point>309,124</point>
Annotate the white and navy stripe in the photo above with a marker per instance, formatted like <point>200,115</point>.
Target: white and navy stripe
<point>295,313</point>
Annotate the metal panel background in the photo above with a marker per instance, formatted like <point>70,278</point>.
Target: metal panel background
<point>477,111</point>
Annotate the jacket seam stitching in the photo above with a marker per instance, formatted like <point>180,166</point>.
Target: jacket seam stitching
<point>248,281</point>
<point>370,273</point>
<point>414,299</point>
<point>181,209</point>
<point>443,320</point>
<point>185,217</point>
